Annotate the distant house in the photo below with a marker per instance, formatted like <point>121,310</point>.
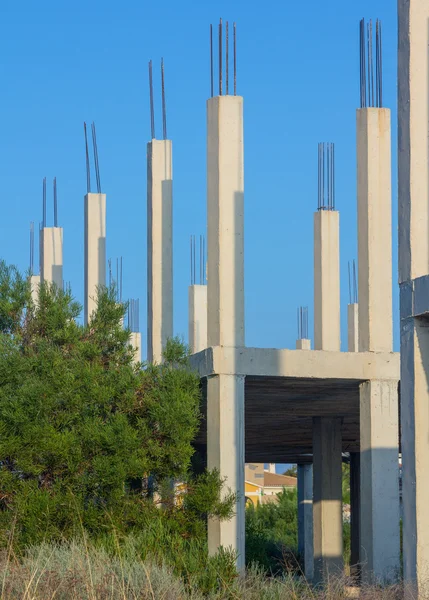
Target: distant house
<point>263,485</point>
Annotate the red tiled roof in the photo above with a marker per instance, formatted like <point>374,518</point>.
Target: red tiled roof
<point>275,480</point>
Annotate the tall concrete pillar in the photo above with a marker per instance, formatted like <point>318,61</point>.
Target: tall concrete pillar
<point>95,250</point>
<point>159,247</point>
<point>51,255</point>
<point>327,445</point>
<point>379,434</point>
<point>413,205</point>
<point>136,343</point>
<point>327,498</point>
<point>34,287</point>
<point>374,199</point>
<point>353,327</point>
<point>197,318</point>
<point>225,307</point>
<point>379,481</point>
<point>305,518</point>
<point>353,346</point>
<point>327,280</point>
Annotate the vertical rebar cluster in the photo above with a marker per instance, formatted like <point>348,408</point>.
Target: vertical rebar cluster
<point>55,203</point>
<point>326,176</point>
<point>371,80</point>
<point>353,288</point>
<point>133,315</point>
<point>96,163</point>
<point>31,247</point>
<point>152,104</point>
<point>116,282</point>
<point>302,322</point>
<point>201,263</point>
<point>227,59</point>
<point>44,202</point>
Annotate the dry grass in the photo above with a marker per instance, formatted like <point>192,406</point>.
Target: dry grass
<point>77,572</point>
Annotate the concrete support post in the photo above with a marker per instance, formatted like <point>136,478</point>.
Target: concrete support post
<point>225,307</point>
<point>95,250</point>
<point>355,514</point>
<point>379,481</point>
<point>34,287</point>
<point>225,452</point>
<point>327,280</point>
<point>374,229</point>
<point>51,255</point>
<point>159,247</point>
<point>303,344</point>
<point>197,318</point>
<point>305,518</point>
<point>136,343</point>
<point>413,194</point>
<point>327,498</point>
<point>353,327</point>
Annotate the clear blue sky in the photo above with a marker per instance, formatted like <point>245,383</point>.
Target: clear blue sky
<point>63,63</point>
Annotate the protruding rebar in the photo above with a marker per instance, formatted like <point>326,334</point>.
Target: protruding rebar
<point>55,203</point>
<point>353,288</point>
<point>109,264</point>
<point>302,321</point>
<point>88,169</point>
<point>96,163</point>
<point>326,176</point>
<point>371,79</point>
<point>220,58</point>
<point>31,247</point>
<point>121,281</point>
<point>211,63</point>
<point>164,110</point>
<point>152,110</point>
<point>226,59</point>
<point>44,203</point>
<point>235,60</point>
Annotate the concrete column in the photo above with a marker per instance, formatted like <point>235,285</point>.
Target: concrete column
<point>136,343</point>
<point>51,255</point>
<point>95,250</point>
<point>327,498</point>
<point>225,452</point>
<point>303,344</point>
<point>355,514</point>
<point>327,280</point>
<point>374,229</point>
<point>353,327</point>
<point>413,220</point>
<point>197,318</point>
<point>225,217</point>
<point>305,518</point>
<point>379,481</point>
<point>159,247</point>
<point>34,287</point>
<point>225,307</point>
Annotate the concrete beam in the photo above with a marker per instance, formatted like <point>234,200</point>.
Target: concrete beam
<point>374,229</point>
<point>327,280</point>
<point>327,498</point>
<point>267,362</point>
<point>225,218</point>
<point>305,518</point>
<point>159,247</point>
<point>353,327</point>
<point>51,255</point>
<point>379,481</point>
<point>95,250</point>
<point>197,318</point>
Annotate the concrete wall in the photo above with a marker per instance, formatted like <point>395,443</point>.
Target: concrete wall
<point>197,302</point>
<point>374,229</point>
<point>327,280</point>
<point>95,250</point>
<point>51,255</point>
<point>159,247</point>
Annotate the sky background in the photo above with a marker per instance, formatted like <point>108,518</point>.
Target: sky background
<point>298,70</point>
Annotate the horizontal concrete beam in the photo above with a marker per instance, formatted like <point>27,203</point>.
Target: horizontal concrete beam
<point>269,362</point>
